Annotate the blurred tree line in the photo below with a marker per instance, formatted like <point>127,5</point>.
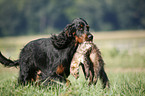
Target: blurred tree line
<point>21,17</point>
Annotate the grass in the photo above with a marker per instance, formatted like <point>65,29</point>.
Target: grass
<point>128,84</point>
<point>123,53</point>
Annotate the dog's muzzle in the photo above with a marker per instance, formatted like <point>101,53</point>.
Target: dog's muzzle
<point>89,37</point>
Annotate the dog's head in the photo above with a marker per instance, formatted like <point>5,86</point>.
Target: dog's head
<point>80,30</point>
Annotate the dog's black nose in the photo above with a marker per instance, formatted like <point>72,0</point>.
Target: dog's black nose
<point>90,37</point>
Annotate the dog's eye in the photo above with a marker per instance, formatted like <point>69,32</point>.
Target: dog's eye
<point>80,27</point>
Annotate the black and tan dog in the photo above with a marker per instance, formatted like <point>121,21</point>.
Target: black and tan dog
<point>89,57</point>
<point>50,57</point>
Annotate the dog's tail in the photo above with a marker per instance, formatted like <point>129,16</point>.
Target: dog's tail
<point>8,62</point>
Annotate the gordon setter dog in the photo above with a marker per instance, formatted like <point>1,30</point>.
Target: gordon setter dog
<point>50,58</point>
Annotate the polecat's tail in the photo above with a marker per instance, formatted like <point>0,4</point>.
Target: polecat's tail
<point>104,78</point>
<point>8,62</point>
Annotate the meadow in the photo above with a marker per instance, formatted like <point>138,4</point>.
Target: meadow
<point>122,51</point>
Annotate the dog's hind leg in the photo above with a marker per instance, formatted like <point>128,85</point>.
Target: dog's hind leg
<point>28,72</point>
<point>23,75</point>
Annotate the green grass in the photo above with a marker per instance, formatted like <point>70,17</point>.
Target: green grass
<point>128,84</point>
<point>123,53</point>
<point>115,59</point>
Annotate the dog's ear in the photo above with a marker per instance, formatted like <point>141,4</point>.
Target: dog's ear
<point>70,30</point>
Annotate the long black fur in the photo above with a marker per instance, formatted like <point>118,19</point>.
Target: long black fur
<point>52,56</point>
<point>8,62</point>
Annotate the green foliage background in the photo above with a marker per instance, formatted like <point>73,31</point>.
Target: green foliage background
<point>24,17</point>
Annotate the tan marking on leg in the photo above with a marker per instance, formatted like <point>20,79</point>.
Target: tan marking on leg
<point>60,69</point>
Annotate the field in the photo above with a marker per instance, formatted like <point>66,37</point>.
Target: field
<point>122,51</point>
